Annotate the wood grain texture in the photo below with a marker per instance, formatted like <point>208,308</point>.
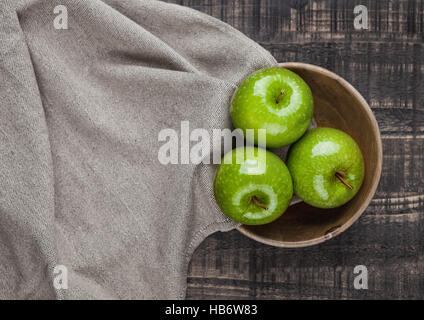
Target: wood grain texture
<point>386,64</point>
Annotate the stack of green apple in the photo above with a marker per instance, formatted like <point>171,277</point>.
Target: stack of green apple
<point>325,167</point>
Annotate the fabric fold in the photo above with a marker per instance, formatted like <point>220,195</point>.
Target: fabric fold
<point>27,241</point>
<point>81,111</point>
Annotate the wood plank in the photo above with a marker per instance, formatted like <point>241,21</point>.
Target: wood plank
<point>386,64</point>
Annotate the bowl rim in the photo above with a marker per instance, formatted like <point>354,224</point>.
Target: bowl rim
<point>301,244</point>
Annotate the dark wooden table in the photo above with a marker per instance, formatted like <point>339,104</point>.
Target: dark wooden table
<point>386,64</point>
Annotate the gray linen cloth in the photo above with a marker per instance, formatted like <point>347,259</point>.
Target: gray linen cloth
<point>80,113</point>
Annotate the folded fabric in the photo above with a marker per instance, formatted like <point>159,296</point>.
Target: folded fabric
<point>81,109</point>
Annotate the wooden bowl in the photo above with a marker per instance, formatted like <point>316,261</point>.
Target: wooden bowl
<point>341,106</point>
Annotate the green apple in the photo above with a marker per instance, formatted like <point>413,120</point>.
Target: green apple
<point>274,99</point>
<point>327,168</point>
<point>253,186</point>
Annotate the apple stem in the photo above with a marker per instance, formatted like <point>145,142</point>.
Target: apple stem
<point>279,97</point>
<point>340,175</point>
<point>256,201</point>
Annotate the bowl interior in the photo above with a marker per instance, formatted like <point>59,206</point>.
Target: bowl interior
<point>337,105</point>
